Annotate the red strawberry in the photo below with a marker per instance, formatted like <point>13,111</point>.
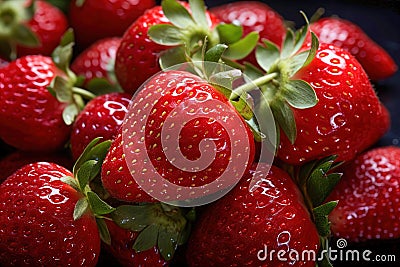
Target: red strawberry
<point>97,61</point>
<point>93,20</point>
<point>37,224</point>
<point>253,16</point>
<point>171,100</point>
<point>377,63</point>
<point>44,26</point>
<point>122,241</point>
<point>30,117</point>
<point>368,197</point>
<point>12,162</point>
<point>340,123</point>
<point>101,117</point>
<point>138,55</point>
<point>252,220</point>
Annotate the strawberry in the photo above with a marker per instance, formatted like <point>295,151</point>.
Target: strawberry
<point>93,20</point>
<point>253,16</point>
<point>30,117</point>
<point>138,52</point>
<point>168,101</point>
<point>368,197</point>
<point>36,27</point>
<point>321,98</point>
<point>101,117</point>
<point>37,224</point>
<point>347,35</point>
<point>97,61</point>
<point>17,159</point>
<point>340,123</point>
<point>168,35</point>
<point>122,241</point>
<point>264,212</point>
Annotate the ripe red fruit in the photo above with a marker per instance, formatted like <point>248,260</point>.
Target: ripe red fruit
<point>17,159</point>
<point>30,28</point>
<point>137,56</point>
<point>171,100</point>
<point>377,63</point>
<point>340,123</point>
<point>253,16</point>
<point>37,225</point>
<point>97,61</point>
<point>101,117</point>
<point>48,24</point>
<point>122,241</point>
<point>368,195</point>
<point>30,117</point>
<point>97,19</point>
<point>270,212</point>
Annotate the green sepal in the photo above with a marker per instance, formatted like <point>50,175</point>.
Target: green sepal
<point>86,173</point>
<point>81,208</point>
<point>101,86</point>
<point>147,238</point>
<point>255,129</point>
<point>214,54</point>
<point>267,55</point>
<point>62,89</point>
<point>103,231</point>
<point>71,181</point>
<point>133,217</point>
<point>243,47</point>
<point>69,113</point>
<point>284,117</point>
<point>166,34</point>
<point>97,205</point>
<point>172,57</point>
<point>300,35</point>
<point>229,33</point>
<point>198,12</point>
<point>25,36</point>
<point>313,49</point>
<point>321,217</point>
<point>319,181</point>
<point>79,3</point>
<point>93,151</point>
<point>62,55</point>
<point>299,94</point>
<point>325,261</point>
<point>177,14</point>
<point>288,44</point>
<point>242,105</point>
<point>167,243</point>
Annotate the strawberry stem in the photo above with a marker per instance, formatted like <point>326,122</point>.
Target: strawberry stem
<point>236,93</point>
<point>84,93</point>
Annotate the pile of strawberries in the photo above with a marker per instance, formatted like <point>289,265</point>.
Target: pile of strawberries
<point>88,103</point>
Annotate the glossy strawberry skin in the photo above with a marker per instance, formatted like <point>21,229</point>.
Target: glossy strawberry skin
<point>49,24</point>
<point>232,230</point>
<point>171,89</point>
<point>368,195</point>
<point>17,159</point>
<point>340,123</point>
<point>377,63</point>
<point>137,56</point>
<point>97,61</point>
<point>101,117</point>
<point>30,117</point>
<point>253,16</point>
<point>98,19</point>
<point>122,241</point>
<point>37,225</point>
